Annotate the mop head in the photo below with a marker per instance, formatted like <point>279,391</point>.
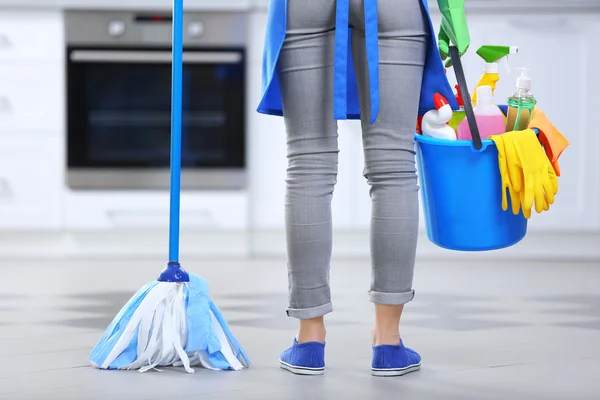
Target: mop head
<point>169,324</point>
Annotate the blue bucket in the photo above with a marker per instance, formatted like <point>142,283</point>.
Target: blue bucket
<point>461,189</point>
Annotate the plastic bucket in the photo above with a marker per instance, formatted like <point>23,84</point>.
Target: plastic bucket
<point>462,196</point>
<point>462,188</point>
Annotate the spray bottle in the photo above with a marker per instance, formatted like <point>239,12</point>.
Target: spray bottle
<point>489,118</point>
<point>492,55</point>
<point>520,104</point>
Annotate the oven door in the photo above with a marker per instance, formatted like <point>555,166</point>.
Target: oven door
<point>119,115</point>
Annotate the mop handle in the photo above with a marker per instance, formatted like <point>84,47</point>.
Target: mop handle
<point>176,111</point>
<point>464,92</point>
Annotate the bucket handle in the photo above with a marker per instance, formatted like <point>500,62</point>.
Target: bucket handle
<point>464,92</point>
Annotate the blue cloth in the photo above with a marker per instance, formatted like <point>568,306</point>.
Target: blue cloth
<point>236,347</point>
<point>346,105</point>
<point>113,333</point>
<point>202,335</point>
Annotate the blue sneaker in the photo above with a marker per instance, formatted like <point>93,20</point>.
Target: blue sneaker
<point>304,358</point>
<point>390,360</point>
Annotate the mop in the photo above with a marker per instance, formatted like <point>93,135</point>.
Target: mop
<point>171,321</point>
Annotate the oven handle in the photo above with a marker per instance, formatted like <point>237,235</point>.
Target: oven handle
<point>153,57</point>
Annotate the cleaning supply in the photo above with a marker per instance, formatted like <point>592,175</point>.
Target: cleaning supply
<point>553,141</point>
<point>461,189</point>
<point>434,122</point>
<point>453,29</point>
<point>492,55</point>
<point>460,114</point>
<point>526,172</point>
<point>503,165</point>
<point>171,321</point>
<point>489,118</point>
<point>520,104</point>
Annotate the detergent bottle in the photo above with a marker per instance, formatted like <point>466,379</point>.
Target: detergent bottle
<point>490,119</point>
<point>459,115</point>
<point>434,122</point>
<point>520,104</point>
<point>492,55</point>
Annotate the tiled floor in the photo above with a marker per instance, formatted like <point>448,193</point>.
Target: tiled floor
<point>485,331</point>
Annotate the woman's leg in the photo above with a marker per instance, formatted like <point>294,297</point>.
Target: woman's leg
<point>305,73</point>
<point>390,155</point>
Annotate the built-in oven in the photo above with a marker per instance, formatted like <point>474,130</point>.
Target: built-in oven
<point>119,103</point>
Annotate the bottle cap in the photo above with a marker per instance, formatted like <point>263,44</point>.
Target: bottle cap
<point>439,101</point>
<point>459,98</point>
<point>491,68</point>
<point>524,80</point>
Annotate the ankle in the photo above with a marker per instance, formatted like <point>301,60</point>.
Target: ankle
<point>311,336</point>
<point>386,338</point>
<point>312,330</point>
<point>387,324</point>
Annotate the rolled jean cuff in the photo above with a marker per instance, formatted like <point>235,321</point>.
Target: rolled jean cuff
<point>391,299</point>
<point>308,313</point>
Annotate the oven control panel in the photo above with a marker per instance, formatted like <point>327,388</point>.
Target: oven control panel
<point>219,29</point>
<point>116,28</point>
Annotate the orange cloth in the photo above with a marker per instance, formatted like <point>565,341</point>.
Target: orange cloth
<point>553,141</point>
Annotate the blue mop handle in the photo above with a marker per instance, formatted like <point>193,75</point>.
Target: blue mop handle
<point>176,112</point>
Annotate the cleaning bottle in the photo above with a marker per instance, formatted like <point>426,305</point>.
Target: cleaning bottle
<point>490,119</point>
<point>520,104</point>
<point>492,55</point>
<point>459,115</point>
<point>434,122</point>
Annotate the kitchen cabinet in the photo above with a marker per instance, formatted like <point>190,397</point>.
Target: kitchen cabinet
<point>30,184</point>
<point>31,120</point>
<point>35,36</point>
<point>30,100</point>
<point>106,210</point>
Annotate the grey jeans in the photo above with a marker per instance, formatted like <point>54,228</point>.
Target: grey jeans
<point>305,73</point>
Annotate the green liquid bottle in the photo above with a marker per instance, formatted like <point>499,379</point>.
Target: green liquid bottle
<point>520,104</point>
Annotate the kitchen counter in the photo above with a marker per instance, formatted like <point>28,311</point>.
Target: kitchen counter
<point>250,4</point>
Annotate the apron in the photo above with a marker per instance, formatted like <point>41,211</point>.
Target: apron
<point>345,94</point>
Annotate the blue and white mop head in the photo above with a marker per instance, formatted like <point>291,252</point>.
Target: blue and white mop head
<point>169,324</point>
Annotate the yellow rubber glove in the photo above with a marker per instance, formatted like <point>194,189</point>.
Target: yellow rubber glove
<point>531,173</point>
<point>503,160</point>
